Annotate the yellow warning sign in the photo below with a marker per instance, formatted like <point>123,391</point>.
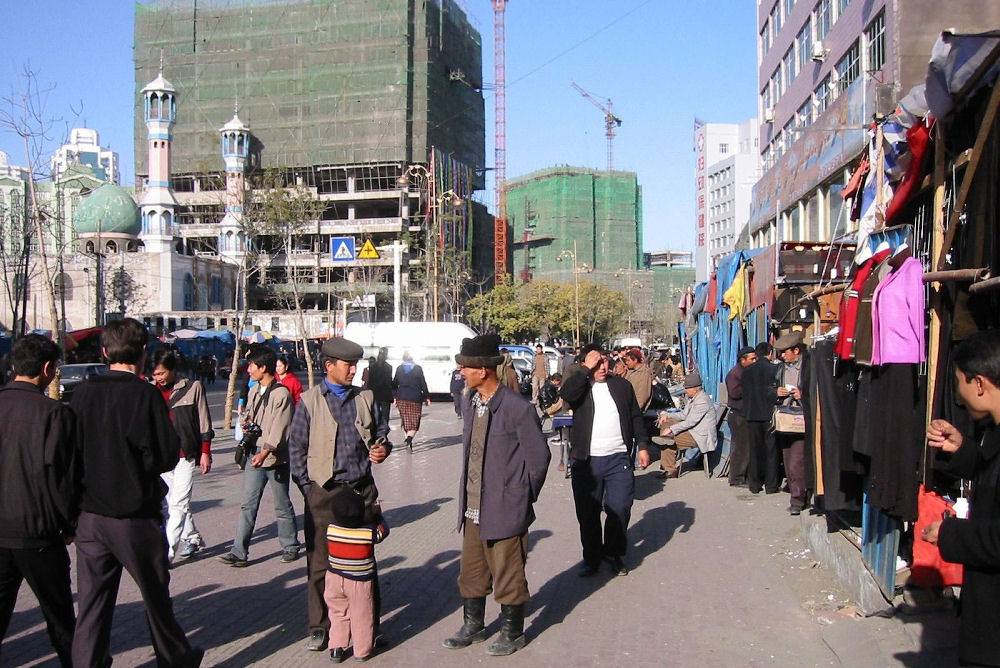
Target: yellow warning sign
<point>368,251</point>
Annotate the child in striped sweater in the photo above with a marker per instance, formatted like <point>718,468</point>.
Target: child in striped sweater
<point>351,567</point>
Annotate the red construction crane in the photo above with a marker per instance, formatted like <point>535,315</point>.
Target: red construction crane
<point>610,122</point>
<point>500,143</point>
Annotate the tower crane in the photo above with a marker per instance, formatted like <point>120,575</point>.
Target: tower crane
<point>500,142</point>
<point>610,121</point>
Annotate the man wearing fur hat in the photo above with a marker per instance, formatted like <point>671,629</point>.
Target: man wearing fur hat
<point>791,350</point>
<point>337,433</point>
<point>505,459</point>
<point>607,427</point>
<point>696,431</point>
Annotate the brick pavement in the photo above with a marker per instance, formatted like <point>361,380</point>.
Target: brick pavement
<point>719,577</point>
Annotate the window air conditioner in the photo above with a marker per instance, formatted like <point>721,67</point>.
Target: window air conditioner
<point>818,55</point>
<point>769,115</point>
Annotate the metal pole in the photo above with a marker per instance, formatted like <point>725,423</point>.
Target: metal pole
<point>576,293</point>
<point>397,253</point>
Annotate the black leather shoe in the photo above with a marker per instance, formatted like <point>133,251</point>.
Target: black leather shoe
<point>337,654</point>
<point>316,642</point>
<point>587,570</point>
<point>618,566</point>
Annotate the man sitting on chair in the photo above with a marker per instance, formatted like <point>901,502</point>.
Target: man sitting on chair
<point>696,432</point>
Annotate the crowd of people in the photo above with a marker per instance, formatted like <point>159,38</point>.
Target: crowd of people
<point>100,472</point>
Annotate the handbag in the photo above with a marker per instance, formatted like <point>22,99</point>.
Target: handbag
<point>928,568</point>
<point>789,419</point>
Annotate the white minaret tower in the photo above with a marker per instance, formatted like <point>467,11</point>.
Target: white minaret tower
<point>235,151</point>
<point>158,204</point>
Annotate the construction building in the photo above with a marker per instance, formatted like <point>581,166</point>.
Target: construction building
<point>373,109</point>
<point>824,70</point>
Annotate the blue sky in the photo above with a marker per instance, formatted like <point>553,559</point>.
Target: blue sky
<point>662,62</point>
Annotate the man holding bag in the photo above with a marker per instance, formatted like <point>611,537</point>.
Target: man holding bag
<point>792,445</point>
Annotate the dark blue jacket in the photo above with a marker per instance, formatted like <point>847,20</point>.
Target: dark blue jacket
<point>514,465</point>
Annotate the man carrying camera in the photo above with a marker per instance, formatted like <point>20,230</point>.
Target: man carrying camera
<point>269,413</point>
<point>337,433</point>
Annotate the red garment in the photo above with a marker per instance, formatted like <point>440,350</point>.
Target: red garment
<point>857,179</point>
<point>844,348</point>
<point>713,295</point>
<point>293,385</point>
<point>917,138</point>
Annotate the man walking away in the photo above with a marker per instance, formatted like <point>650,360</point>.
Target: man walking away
<point>40,482</point>
<point>380,382</point>
<point>539,372</point>
<point>607,426</point>
<point>505,459</point>
<point>739,446</point>
<point>759,396</point>
<point>126,441</point>
<point>337,433</point>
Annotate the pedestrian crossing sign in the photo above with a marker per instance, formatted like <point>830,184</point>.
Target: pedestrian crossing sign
<point>342,249</point>
<point>368,251</point>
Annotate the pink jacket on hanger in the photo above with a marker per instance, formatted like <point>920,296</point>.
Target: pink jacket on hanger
<point>898,316</point>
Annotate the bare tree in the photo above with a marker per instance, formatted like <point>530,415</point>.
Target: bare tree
<point>22,112</point>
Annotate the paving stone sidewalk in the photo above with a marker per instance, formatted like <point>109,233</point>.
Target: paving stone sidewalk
<point>719,577</point>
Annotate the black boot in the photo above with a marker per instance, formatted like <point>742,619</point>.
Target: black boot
<point>473,629</point>
<point>511,636</point>
<point>409,443</point>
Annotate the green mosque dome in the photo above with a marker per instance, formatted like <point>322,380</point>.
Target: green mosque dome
<point>109,209</point>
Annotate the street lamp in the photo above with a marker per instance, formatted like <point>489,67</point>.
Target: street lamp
<point>629,284</point>
<point>450,197</point>
<point>577,268</point>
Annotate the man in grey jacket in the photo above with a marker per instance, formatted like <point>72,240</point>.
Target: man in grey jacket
<point>696,432</point>
<point>505,459</point>
<point>270,406</point>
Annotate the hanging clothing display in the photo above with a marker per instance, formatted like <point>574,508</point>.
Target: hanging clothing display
<point>898,313</point>
<point>849,307</point>
<point>841,469</point>
<point>863,339</point>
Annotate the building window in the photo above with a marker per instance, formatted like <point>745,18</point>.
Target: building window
<point>849,67</point>
<point>789,6</point>
<point>788,65</point>
<point>804,43</point>
<point>788,132</point>
<point>875,42</point>
<point>776,19</point>
<point>803,117</point>
<point>189,292</point>
<point>824,18</point>
<point>776,87</point>
<point>723,148</point>
<point>841,7</point>
<point>765,39</point>
<point>823,95</point>
<point>63,286</point>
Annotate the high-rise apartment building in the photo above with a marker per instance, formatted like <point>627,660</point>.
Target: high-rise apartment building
<point>725,167</point>
<point>729,186</point>
<point>85,148</point>
<point>825,69</point>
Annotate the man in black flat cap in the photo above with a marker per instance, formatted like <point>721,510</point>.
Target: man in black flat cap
<point>505,459</point>
<point>790,388</point>
<point>337,433</point>
<point>607,427</point>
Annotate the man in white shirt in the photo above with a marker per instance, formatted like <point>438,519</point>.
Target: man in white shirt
<point>607,427</point>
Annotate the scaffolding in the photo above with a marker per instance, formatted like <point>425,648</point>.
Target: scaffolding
<point>319,82</point>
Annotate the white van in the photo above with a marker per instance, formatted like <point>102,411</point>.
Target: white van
<point>433,345</point>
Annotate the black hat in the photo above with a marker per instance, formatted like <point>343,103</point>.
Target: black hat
<point>342,349</point>
<point>482,351</point>
<point>744,351</point>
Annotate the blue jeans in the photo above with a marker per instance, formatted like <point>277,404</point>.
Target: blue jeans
<point>254,481</point>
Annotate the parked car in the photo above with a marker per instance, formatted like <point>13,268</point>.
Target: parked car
<point>71,375</point>
<point>523,368</point>
<point>528,353</point>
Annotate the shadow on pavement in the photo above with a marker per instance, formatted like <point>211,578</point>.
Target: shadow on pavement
<point>397,517</point>
<point>421,445</point>
<point>656,528</point>
<point>647,485</point>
